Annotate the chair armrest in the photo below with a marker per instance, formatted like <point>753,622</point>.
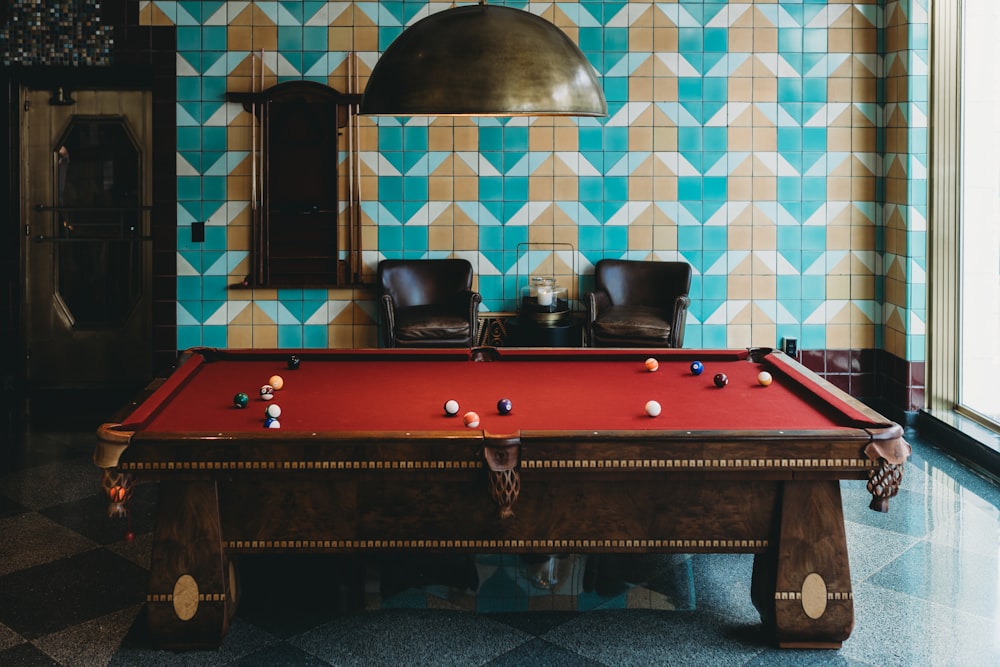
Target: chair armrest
<point>474,299</point>
<point>389,316</point>
<point>681,304</point>
<point>595,302</point>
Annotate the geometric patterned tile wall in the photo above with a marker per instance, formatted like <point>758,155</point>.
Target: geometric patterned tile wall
<point>779,147</point>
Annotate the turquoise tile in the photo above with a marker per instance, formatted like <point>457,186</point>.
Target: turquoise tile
<point>591,237</point>
<point>390,240</point>
<point>515,139</point>
<point>789,89</point>
<point>214,139</point>
<point>789,40</point>
<point>415,242</point>
<point>189,188</point>
<point>712,336</point>
<point>214,38</point>
<point>591,39</point>
<point>591,139</point>
<point>716,39</point>
<point>390,138</point>
<point>315,38</point>
<point>188,38</point>
<point>591,189</point>
<point>716,89</point>
<point>490,188</point>
<point>690,88</point>
<point>814,89</point>
<point>615,189</point>
<point>213,188</point>
<point>615,39</point>
<point>616,238</point>
<point>415,138</point>
<point>390,188</point>
<point>716,188</point>
<point>188,88</point>
<point>289,336</point>
<point>689,188</point>
<point>289,38</point>
<point>189,336</point>
<point>189,138</point>
<point>715,287</point>
<point>415,189</point>
<point>691,40</point>
<point>813,337</point>
<point>615,90</point>
<point>814,188</point>
<point>814,40</point>
<point>213,88</point>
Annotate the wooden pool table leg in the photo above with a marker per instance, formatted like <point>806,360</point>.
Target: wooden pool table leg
<point>192,584</point>
<point>802,584</point>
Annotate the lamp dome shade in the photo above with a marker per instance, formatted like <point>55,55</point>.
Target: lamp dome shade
<point>482,60</point>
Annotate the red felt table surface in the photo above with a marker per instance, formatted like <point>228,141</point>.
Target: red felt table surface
<point>550,392</point>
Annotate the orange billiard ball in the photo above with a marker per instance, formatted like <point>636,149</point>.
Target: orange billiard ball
<point>471,419</point>
<point>652,364</point>
<point>764,378</point>
<point>277,382</point>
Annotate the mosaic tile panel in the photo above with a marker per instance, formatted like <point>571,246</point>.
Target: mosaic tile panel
<point>54,33</point>
<point>779,147</point>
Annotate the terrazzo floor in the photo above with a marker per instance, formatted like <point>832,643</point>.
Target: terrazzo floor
<point>926,583</point>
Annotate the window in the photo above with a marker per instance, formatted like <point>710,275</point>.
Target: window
<point>979,280</point>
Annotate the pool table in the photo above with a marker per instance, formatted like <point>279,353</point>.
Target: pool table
<point>366,460</point>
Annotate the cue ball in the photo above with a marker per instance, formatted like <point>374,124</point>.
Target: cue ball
<point>266,392</point>
<point>764,378</point>
<point>451,407</point>
<point>273,411</point>
<point>277,382</point>
<point>293,363</point>
<point>720,380</point>
<point>653,408</point>
<point>652,364</point>
<point>504,406</point>
<point>697,367</point>
<point>471,419</point>
<point>240,400</point>
<point>270,422</point>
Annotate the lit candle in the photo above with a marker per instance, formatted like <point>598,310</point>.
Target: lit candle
<point>544,296</point>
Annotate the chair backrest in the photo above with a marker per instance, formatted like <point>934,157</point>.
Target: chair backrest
<point>642,283</point>
<point>421,282</point>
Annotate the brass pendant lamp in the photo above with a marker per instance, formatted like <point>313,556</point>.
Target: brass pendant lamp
<point>480,60</point>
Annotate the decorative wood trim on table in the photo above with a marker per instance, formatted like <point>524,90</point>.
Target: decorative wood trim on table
<point>301,465</point>
<point>530,464</point>
<point>755,545</point>
<point>712,464</point>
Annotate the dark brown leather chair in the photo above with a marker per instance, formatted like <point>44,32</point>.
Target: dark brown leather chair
<point>638,303</point>
<point>428,303</point>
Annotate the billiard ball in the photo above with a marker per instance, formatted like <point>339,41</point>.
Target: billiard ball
<point>697,367</point>
<point>652,364</point>
<point>240,400</point>
<point>720,380</point>
<point>451,407</point>
<point>272,411</point>
<point>653,408</point>
<point>471,419</point>
<point>271,422</point>
<point>294,362</point>
<point>277,382</point>
<point>266,392</point>
<point>504,406</point>
<point>764,378</point>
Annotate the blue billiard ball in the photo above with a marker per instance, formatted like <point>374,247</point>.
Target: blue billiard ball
<point>504,406</point>
<point>697,367</point>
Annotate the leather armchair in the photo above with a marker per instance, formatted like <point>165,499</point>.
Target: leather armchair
<point>638,303</point>
<point>428,303</point>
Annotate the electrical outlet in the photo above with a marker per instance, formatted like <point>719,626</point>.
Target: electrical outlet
<point>790,346</point>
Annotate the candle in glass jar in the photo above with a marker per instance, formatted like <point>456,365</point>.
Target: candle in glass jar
<point>544,296</point>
